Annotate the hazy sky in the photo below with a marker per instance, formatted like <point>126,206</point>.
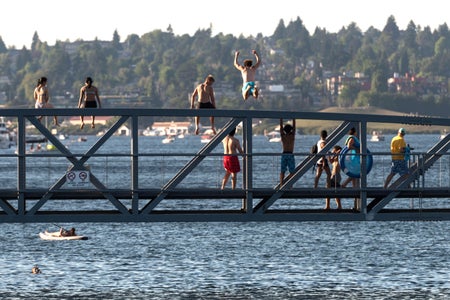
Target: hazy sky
<point>71,20</point>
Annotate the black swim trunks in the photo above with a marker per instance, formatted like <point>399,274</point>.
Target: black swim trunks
<point>90,104</point>
<point>205,105</point>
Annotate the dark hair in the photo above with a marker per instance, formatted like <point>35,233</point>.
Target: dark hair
<point>288,128</point>
<point>352,131</point>
<point>41,80</point>
<point>232,132</point>
<point>323,134</point>
<point>210,78</point>
<point>248,62</point>
<point>89,80</point>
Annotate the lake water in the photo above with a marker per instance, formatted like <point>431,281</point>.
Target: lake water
<point>304,260</point>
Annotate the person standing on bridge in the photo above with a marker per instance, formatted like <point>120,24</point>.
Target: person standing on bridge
<point>322,163</point>
<point>42,97</point>
<point>204,93</point>
<point>335,180</point>
<point>399,163</point>
<point>88,99</point>
<point>352,142</point>
<point>248,72</point>
<point>231,147</point>
<point>287,133</point>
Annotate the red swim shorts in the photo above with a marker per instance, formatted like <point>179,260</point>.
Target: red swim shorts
<point>231,163</point>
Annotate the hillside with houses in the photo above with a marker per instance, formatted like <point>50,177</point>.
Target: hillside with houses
<point>404,70</point>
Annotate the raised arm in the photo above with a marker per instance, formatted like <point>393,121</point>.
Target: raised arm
<point>236,63</point>
<point>281,127</point>
<point>258,59</point>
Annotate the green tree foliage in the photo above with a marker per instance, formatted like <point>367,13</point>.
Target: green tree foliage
<point>160,69</point>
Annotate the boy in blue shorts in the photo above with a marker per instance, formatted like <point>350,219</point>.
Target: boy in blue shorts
<point>287,133</point>
<point>248,71</point>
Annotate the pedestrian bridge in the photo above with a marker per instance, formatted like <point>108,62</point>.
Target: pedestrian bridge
<point>66,186</point>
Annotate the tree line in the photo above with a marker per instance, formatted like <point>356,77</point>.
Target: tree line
<point>160,69</point>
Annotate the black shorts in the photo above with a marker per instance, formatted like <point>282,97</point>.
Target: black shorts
<point>205,105</point>
<point>90,104</point>
<point>323,164</point>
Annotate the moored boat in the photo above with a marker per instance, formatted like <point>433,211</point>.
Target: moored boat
<point>169,139</point>
<point>377,136</point>
<point>274,137</point>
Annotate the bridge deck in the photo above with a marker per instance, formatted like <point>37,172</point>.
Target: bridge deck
<point>173,203</point>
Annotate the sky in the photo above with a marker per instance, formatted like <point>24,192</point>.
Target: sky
<point>69,20</point>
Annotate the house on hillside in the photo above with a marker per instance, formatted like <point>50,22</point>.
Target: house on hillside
<point>172,127</point>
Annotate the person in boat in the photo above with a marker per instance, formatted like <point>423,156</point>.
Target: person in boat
<point>42,97</point>
<point>322,163</point>
<point>63,232</point>
<point>231,147</point>
<point>248,72</point>
<point>287,133</point>
<point>89,98</point>
<point>204,93</point>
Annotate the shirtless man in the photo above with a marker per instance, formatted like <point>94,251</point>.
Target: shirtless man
<point>42,96</point>
<point>248,71</point>
<point>88,99</point>
<point>287,133</point>
<point>231,147</point>
<point>205,98</point>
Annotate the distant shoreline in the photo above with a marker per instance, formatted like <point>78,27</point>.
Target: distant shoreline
<point>315,126</point>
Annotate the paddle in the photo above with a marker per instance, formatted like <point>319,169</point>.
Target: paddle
<point>58,225</point>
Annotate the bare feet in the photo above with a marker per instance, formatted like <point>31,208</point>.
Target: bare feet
<point>214,130</point>
<point>255,93</point>
<point>196,131</point>
<point>92,125</point>
<point>82,126</point>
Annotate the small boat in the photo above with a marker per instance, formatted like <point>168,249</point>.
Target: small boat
<point>377,136</point>
<point>54,236</point>
<point>206,136</point>
<point>169,139</point>
<point>274,137</point>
